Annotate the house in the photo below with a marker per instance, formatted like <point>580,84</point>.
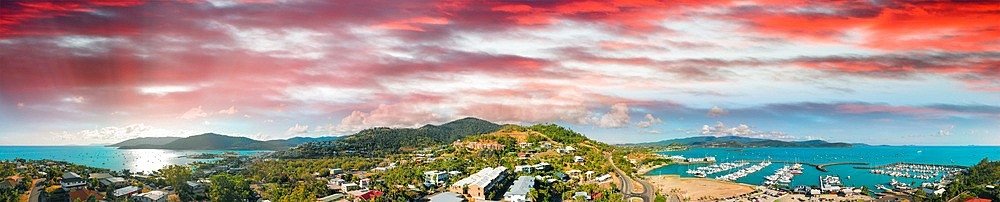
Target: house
<point>581,194</point>
<point>125,191</point>
<point>547,145</point>
<point>815,192</point>
<point>977,200</point>
<point>363,183</point>
<point>519,190</point>
<point>152,196</point>
<point>331,198</point>
<point>602,178</point>
<point>435,177</point>
<point>196,187</point>
<point>370,195</point>
<point>562,176</point>
<point>100,176</point>
<point>346,187</point>
<point>479,183</point>
<point>574,173</point>
<point>336,171</point>
<point>578,159</point>
<point>83,194</point>
<point>446,197</point>
<point>10,182</point>
<point>72,181</point>
<point>590,174</point>
<point>112,181</point>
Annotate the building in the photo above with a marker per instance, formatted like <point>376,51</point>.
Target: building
<point>83,194</point>
<point>578,159</point>
<point>478,145</point>
<point>446,197</point>
<point>581,194</point>
<point>112,181</point>
<point>369,195</point>
<point>100,176</point>
<point>72,181</point>
<point>336,171</point>
<point>363,183</point>
<point>676,158</point>
<point>977,200</point>
<point>519,190</point>
<point>125,191</point>
<point>196,187</point>
<point>331,198</point>
<point>435,177</point>
<point>562,176</point>
<point>152,196</point>
<point>706,159</point>
<point>346,187</point>
<point>477,184</point>
<point>543,166</point>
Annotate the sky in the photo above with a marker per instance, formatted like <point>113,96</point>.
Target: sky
<point>877,72</point>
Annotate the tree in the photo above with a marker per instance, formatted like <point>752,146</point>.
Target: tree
<point>229,188</point>
<point>177,177</point>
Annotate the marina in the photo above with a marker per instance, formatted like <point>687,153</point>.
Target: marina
<point>845,163</point>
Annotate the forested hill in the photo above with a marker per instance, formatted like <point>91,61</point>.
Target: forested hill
<point>145,140</point>
<point>736,142</point>
<point>383,140</point>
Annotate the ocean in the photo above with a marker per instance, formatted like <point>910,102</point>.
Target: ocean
<point>136,160</point>
<point>873,155</point>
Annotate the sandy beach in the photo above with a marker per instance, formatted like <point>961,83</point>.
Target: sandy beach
<point>694,189</point>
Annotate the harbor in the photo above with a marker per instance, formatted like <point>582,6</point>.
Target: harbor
<point>928,169</point>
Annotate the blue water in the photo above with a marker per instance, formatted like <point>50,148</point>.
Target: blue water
<point>136,160</point>
<point>874,155</point>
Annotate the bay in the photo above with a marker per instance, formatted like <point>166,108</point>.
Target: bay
<point>873,155</point>
<point>135,160</point>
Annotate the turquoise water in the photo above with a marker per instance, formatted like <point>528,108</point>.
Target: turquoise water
<point>136,160</point>
<point>874,155</point>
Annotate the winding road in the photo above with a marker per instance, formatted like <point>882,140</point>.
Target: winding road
<point>648,193</point>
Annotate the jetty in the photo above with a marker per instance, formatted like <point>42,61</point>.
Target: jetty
<point>920,164</point>
<point>819,166</point>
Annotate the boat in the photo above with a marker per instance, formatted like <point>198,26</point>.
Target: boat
<point>700,175</point>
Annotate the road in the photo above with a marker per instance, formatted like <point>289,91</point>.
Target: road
<point>33,197</point>
<point>647,194</point>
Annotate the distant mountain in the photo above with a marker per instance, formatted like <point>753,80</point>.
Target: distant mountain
<point>383,140</point>
<point>291,142</point>
<point>145,140</point>
<point>736,142</point>
<point>212,141</point>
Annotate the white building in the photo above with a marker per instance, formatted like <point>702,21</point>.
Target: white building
<point>152,196</point>
<point>519,190</point>
<point>72,181</point>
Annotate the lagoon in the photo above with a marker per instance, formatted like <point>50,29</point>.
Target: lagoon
<point>135,160</point>
<point>873,155</point>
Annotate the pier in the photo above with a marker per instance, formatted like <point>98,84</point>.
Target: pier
<point>921,164</point>
<point>818,167</point>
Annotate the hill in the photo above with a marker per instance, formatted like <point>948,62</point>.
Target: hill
<point>295,141</point>
<point>145,141</point>
<point>736,141</point>
<point>212,141</point>
<point>383,140</point>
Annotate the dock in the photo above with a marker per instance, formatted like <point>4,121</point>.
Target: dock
<point>818,167</point>
<point>921,164</point>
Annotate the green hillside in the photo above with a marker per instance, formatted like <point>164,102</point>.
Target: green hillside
<point>383,140</point>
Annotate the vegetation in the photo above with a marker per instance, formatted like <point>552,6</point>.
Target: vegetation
<point>386,141</point>
<point>230,188</point>
<point>973,183</point>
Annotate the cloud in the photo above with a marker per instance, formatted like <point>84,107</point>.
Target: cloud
<point>616,118</point>
<point>651,120</point>
<point>77,99</point>
<point>716,112</point>
<point>20,105</point>
<point>230,111</point>
<point>742,130</point>
<point>194,113</point>
<point>297,130</point>
<point>113,134</point>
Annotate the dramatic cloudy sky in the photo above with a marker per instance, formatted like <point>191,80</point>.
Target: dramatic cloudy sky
<point>879,72</point>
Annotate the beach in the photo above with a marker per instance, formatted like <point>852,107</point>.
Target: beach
<point>695,189</point>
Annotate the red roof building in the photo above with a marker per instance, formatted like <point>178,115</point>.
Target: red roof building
<point>82,194</point>
<point>977,200</point>
<point>370,195</point>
